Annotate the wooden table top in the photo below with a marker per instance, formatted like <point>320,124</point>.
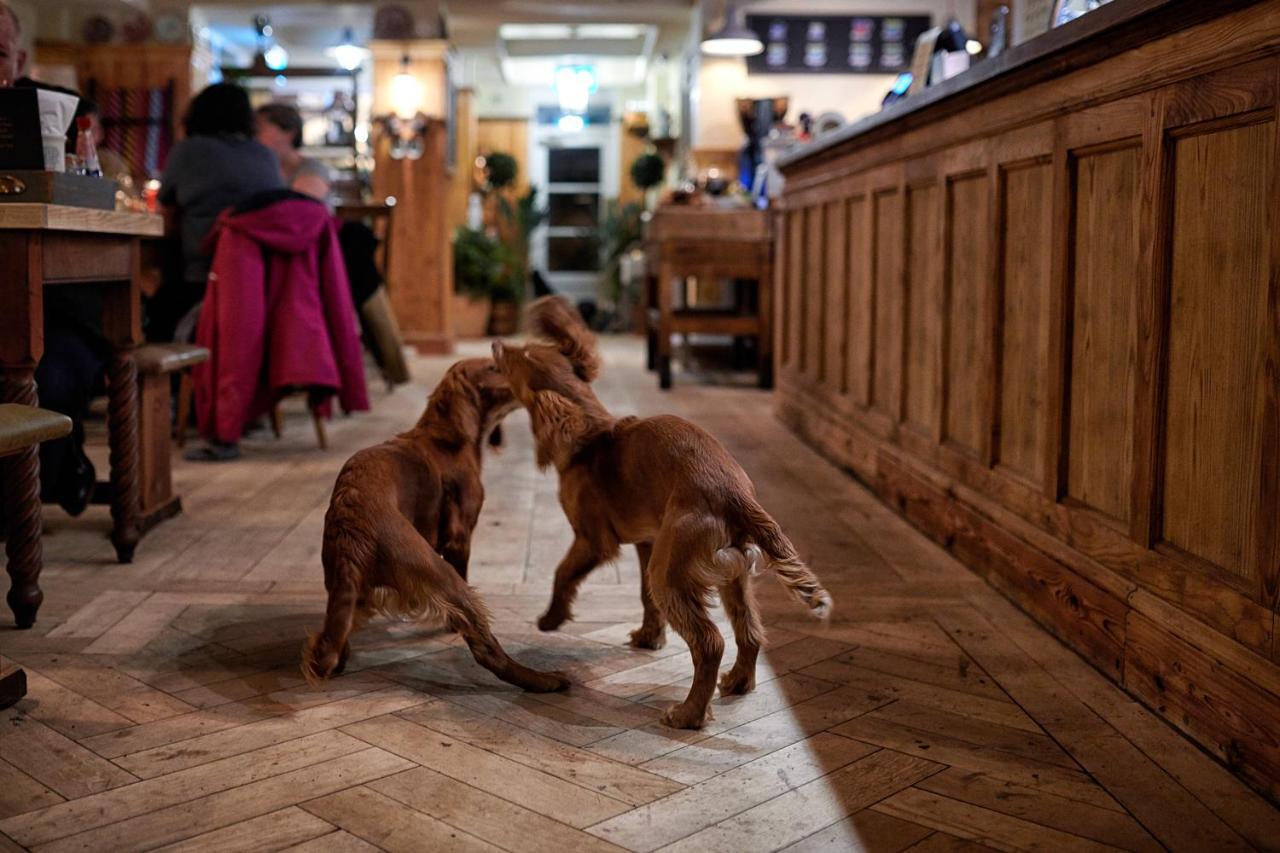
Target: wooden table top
<point>708,222</point>
<point>61,217</point>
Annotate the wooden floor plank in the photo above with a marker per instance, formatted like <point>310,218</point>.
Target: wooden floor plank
<point>21,793</point>
<point>522,785</point>
<point>667,820</point>
<point>484,815</point>
<point>813,806</point>
<point>389,825</point>
<point>283,829</point>
<point>226,808</point>
<point>866,830</point>
<point>54,759</point>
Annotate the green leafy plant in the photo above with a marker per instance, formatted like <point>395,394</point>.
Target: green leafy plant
<point>477,263</point>
<point>620,232</point>
<point>500,170</point>
<point>648,170</point>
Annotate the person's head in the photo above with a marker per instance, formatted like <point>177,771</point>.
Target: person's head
<point>279,128</point>
<point>222,109</point>
<point>13,59</point>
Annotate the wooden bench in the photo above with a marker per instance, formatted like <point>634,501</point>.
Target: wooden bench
<point>22,428</point>
<point>156,365</point>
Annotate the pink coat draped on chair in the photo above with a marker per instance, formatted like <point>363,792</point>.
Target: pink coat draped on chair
<point>277,316</point>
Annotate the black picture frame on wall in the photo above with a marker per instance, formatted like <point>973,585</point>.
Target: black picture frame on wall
<point>835,44</point>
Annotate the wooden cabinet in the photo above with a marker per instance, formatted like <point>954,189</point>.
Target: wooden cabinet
<point>1039,313</point>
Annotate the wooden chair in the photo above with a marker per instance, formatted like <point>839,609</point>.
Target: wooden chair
<point>22,428</point>
<point>157,363</point>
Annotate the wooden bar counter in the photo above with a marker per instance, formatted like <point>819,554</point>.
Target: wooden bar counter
<point>1037,309</point>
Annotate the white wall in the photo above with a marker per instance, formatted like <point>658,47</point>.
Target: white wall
<point>721,80</point>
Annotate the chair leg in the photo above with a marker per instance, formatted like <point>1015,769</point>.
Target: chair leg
<point>184,408</point>
<point>277,420</point>
<point>318,422</point>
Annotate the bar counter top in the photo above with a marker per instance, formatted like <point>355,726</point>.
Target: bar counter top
<point>1110,30</point>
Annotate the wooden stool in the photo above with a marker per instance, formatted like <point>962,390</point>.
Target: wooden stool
<point>21,429</point>
<point>156,364</point>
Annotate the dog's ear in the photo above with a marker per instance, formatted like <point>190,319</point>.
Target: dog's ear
<point>553,317</point>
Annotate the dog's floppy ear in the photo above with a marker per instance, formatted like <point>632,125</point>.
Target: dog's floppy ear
<point>555,318</point>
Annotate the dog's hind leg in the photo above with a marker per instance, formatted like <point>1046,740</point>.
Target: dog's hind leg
<point>467,616</point>
<point>652,631</point>
<point>679,581</point>
<point>574,567</point>
<point>740,605</point>
<point>325,653</point>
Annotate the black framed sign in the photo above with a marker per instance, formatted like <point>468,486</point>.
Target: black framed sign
<point>835,44</point>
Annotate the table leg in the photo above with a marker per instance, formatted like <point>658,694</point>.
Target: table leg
<point>22,511</point>
<point>122,427</point>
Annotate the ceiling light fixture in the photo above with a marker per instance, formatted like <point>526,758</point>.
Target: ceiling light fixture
<point>733,38</point>
<point>348,54</point>
<point>406,92</point>
<point>276,57</point>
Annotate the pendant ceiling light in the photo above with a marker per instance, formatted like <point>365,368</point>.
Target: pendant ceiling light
<point>733,38</point>
<point>348,54</point>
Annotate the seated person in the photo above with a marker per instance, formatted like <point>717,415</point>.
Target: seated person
<point>114,168</point>
<point>280,129</point>
<point>217,166</point>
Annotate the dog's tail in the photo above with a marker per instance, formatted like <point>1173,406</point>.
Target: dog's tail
<point>758,526</point>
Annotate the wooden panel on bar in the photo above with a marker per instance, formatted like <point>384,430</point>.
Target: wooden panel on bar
<point>1218,326</point>
<point>1052,290</point>
<point>1026,190</point>
<point>922,393</point>
<point>967,318</point>
<point>1104,263</point>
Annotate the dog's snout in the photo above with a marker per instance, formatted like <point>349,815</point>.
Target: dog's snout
<point>497,350</point>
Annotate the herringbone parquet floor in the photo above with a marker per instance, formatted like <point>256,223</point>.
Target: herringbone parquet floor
<point>166,709</point>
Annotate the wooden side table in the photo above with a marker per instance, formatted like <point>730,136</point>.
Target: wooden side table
<point>41,246</point>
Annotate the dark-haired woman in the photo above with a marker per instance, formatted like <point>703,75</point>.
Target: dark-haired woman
<point>218,165</point>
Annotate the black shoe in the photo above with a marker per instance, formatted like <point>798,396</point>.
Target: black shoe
<point>75,484</point>
<point>214,451</point>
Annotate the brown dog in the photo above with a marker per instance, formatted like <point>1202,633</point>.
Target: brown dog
<point>663,484</point>
<point>397,535</point>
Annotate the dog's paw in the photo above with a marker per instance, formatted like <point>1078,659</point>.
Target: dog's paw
<point>550,682</point>
<point>736,682</point>
<point>551,620</point>
<point>686,716</point>
<point>648,638</point>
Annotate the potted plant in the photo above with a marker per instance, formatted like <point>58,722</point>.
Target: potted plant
<point>477,267</point>
<point>647,171</point>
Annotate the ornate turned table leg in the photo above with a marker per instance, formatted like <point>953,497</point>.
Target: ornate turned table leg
<point>122,428</point>
<point>22,512</point>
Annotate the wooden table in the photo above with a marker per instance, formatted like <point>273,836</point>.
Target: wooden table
<point>710,243</point>
<point>46,246</point>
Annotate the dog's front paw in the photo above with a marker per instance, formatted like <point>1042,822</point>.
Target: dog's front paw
<point>551,620</point>
<point>648,638</point>
<point>736,682</point>
<point>686,716</point>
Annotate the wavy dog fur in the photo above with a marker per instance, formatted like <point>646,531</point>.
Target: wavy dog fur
<point>397,536</point>
<point>666,486</point>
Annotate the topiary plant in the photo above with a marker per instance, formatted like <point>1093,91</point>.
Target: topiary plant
<point>500,170</point>
<point>647,171</point>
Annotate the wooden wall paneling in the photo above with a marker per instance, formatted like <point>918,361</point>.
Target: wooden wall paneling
<point>861,305</point>
<point>1237,721</point>
<point>465,134</point>
<point>1104,265</point>
<point>922,369</point>
<point>1022,275</point>
<point>887,253</point>
<point>1268,509</point>
<point>967,340</point>
<point>835,287</point>
<point>1220,132</point>
<point>795,287</point>
<point>812,308</point>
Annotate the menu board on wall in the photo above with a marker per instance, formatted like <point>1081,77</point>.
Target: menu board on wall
<point>835,44</point>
